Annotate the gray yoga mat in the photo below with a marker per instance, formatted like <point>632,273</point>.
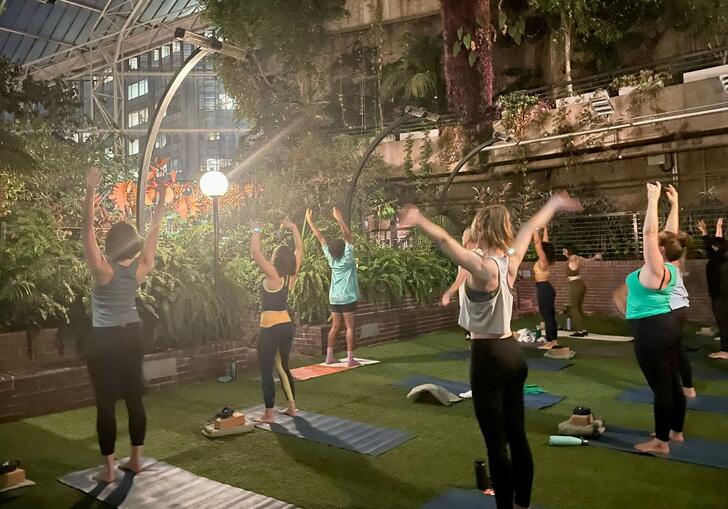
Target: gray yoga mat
<point>603,351</point>
<point>161,485</point>
<point>538,364</point>
<point>698,451</point>
<point>535,401</point>
<point>458,498</point>
<point>714,404</point>
<point>324,429</point>
<point>709,373</point>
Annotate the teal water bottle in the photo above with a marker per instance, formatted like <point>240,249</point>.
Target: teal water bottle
<point>565,441</point>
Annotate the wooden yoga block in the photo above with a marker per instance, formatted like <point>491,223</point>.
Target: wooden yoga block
<point>236,420</point>
<point>12,478</point>
<point>581,420</point>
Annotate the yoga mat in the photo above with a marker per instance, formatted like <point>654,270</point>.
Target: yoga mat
<point>539,364</point>
<point>597,337</point>
<point>350,435</point>
<point>23,484</point>
<point>714,404</point>
<point>322,369</point>
<point>603,351</point>
<point>698,451</point>
<point>161,485</point>
<point>458,498</point>
<point>535,401</point>
<point>708,373</point>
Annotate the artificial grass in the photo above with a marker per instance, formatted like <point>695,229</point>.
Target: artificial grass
<point>315,476</point>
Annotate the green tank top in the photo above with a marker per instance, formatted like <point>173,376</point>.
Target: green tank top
<point>643,302</point>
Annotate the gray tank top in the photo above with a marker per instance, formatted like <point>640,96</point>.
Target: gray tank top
<point>113,304</point>
<point>679,297</point>
<point>489,312</point>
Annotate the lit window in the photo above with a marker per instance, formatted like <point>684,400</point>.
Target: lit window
<point>225,102</point>
<point>137,89</point>
<point>138,117</point>
<point>166,50</point>
<point>161,141</point>
<point>155,55</point>
<point>133,147</point>
<point>133,63</point>
<point>109,78</point>
<point>212,164</point>
<point>213,136</point>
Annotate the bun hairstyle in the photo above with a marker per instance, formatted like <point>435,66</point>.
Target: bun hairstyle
<point>492,227</point>
<point>571,250</point>
<point>673,244</point>
<point>122,242</point>
<point>284,260</point>
<point>549,250</point>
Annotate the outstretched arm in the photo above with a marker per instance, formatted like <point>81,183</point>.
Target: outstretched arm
<point>265,265</point>
<point>719,228</point>
<point>316,232</point>
<point>411,216</point>
<point>560,202</point>
<point>654,265</point>
<point>298,241</point>
<point>345,231</point>
<point>673,223</point>
<point>91,252</point>
<point>146,259</point>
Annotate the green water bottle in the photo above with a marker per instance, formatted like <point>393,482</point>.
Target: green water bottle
<point>561,441</point>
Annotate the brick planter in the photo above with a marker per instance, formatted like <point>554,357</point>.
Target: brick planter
<point>377,324</point>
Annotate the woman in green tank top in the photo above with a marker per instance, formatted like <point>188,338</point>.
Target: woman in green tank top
<point>655,328</point>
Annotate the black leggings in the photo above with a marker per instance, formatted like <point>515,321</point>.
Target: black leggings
<point>497,374</point>
<point>720,311</point>
<point>686,369</point>
<point>275,340</point>
<point>114,360</point>
<point>546,296</point>
<point>657,347</point>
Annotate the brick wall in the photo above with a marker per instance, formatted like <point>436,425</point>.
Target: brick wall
<point>376,324</point>
<point>601,278</point>
<point>29,389</point>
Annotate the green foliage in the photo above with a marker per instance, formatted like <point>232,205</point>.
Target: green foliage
<point>40,272</point>
<point>416,78</point>
<point>519,110</point>
<point>282,76</point>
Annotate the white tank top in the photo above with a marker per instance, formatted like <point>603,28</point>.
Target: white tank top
<point>679,296</point>
<point>489,313</point>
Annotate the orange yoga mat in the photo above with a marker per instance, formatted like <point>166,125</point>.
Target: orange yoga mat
<point>317,370</point>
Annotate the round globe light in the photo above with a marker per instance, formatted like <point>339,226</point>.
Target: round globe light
<point>213,183</point>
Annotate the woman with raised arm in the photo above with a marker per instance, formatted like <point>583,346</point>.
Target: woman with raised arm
<point>679,300</point>
<point>498,369</point>
<point>545,293</point>
<point>715,249</point>
<point>344,289</point>
<point>276,328</point>
<point>655,328</point>
<point>577,288</point>
<point>114,351</point>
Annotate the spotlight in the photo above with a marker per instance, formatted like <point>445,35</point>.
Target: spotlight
<point>419,112</point>
<point>601,105</point>
<point>724,82</point>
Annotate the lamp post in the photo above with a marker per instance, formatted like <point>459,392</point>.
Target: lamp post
<point>214,184</point>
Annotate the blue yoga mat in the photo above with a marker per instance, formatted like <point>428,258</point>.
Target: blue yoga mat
<point>457,498</point>
<point>350,435</point>
<point>715,404</point>
<point>698,451</point>
<point>538,364</point>
<point>535,401</point>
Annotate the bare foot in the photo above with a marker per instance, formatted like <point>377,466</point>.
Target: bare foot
<point>690,392</point>
<point>548,345</point>
<point>352,363</point>
<point>268,417</point>
<point>132,466</point>
<point>105,475</point>
<point>677,436</point>
<point>331,360</point>
<point>719,355</point>
<point>292,412</point>
<point>654,446</point>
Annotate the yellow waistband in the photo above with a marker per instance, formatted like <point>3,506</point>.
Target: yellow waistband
<point>271,318</point>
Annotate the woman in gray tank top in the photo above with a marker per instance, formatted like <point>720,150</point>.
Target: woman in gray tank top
<point>498,369</point>
<point>114,349</point>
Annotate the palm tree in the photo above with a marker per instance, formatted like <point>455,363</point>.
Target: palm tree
<point>416,78</point>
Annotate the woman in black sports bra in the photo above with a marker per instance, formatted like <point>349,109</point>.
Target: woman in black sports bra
<point>577,288</point>
<point>276,328</point>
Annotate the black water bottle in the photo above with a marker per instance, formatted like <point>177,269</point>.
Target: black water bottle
<point>481,476</point>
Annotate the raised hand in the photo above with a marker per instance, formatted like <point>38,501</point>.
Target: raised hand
<point>566,203</point>
<point>719,224</point>
<point>337,214</point>
<point>445,300</point>
<point>93,177</point>
<point>653,191</point>
<point>671,193</point>
<point>409,216</point>
<point>309,215</point>
<point>702,227</point>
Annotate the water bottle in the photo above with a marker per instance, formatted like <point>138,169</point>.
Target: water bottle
<point>480,475</point>
<point>568,323</point>
<point>560,440</point>
<point>233,371</point>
